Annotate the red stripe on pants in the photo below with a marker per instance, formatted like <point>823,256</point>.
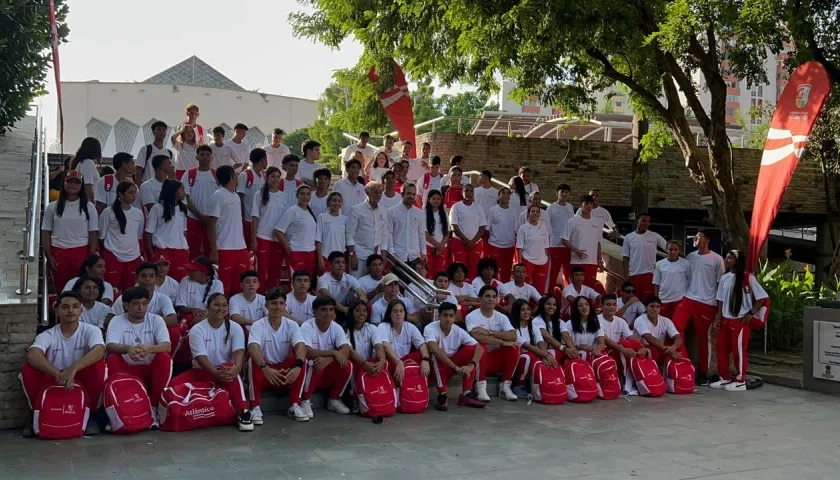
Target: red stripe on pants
<point>304,261</point>
<point>91,378</point>
<point>733,336</point>
<point>702,316</point>
<point>234,388</point>
<point>178,258</point>
<point>537,275</point>
<point>231,265</point>
<point>120,274</point>
<point>257,382</point>
<point>270,257</point>
<point>68,264</point>
<point>444,372</point>
<point>333,377</point>
<point>644,285</point>
<point>467,257</point>
<point>560,259</point>
<point>436,263</point>
<point>197,238</point>
<point>501,361</point>
<point>504,259</point>
<point>155,376</point>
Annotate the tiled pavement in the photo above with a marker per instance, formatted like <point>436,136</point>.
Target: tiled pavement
<point>772,433</point>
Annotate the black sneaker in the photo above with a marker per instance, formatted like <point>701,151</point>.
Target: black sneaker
<point>245,423</point>
<point>702,379</point>
<point>92,428</point>
<point>28,431</point>
<point>442,402</point>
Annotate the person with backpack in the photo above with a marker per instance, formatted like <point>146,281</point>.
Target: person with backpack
<point>584,328</point>
<point>121,228</point>
<point>547,321</point>
<point>105,191</point>
<point>431,180</point>
<point>493,331</point>
<point>86,161</point>
<point>137,343</point>
<point>192,121</point>
<point>531,345</point>
<point>147,152</point>
<point>250,182</point>
<point>621,344</point>
<point>69,355</point>
<point>402,341</point>
<point>228,249</point>
<point>199,185</point>
<point>150,189</point>
<point>366,352</point>
<point>166,228</point>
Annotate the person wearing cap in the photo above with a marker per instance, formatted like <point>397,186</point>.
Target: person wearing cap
<point>228,249</point>
<point>240,148</point>
<point>166,227</point>
<point>250,183</point>
<point>69,229</point>
<point>165,284</point>
<point>277,150</point>
<point>391,292</point>
<point>340,286</point>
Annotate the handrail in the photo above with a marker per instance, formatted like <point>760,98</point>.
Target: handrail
<point>45,284</point>
<point>28,253</point>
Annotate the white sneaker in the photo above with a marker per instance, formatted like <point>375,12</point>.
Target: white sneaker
<point>481,391</point>
<point>506,392</point>
<point>735,387</point>
<point>256,416</point>
<point>306,406</point>
<point>337,406</point>
<point>296,412</point>
<point>633,393</point>
<point>155,421</point>
<point>720,383</point>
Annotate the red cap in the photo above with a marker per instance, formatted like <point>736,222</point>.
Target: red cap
<point>160,259</point>
<point>197,267</point>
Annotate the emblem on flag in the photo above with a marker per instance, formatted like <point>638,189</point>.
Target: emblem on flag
<point>802,93</point>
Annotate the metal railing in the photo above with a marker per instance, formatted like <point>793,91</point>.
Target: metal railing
<point>36,193</point>
<point>428,292</point>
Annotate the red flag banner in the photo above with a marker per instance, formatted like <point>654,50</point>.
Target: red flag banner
<point>796,112</point>
<point>398,106</point>
<point>57,69</point>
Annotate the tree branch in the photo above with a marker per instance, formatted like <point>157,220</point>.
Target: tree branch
<point>643,92</point>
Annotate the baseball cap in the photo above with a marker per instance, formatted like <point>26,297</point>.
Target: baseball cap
<point>160,259</point>
<point>389,279</point>
<point>197,267</point>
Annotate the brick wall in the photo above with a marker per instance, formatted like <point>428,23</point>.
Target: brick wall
<point>608,165</point>
<point>17,330</point>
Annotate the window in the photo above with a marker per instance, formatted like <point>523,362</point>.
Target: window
<point>732,84</point>
<point>732,98</point>
<point>618,104</point>
<point>730,111</point>
<point>752,93</point>
<point>761,90</point>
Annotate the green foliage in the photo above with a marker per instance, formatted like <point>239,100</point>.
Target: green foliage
<point>25,54</point>
<point>295,140</point>
<point>756,132</point>
<point>657,138</point>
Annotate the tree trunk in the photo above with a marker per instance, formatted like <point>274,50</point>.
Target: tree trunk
<point>640,188</point>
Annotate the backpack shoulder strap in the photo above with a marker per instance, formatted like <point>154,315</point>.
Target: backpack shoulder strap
<point>213,171</point>
<point>108,181</point>
<point>427,179</point>
<point>191,175</point>
<point>149,154</point>
<point>249,178</point>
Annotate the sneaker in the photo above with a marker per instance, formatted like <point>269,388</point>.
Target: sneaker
<point>703,379</point>
<point>735,387</point>
<point>306,405</point>
<point>28,431</point>
<point>720,383</point>
<point>633,393</point>
<point>506,393</point>
<point>155,420</point>
<point>245,423</point>
<point>256,416</point>
<point>337,406</point>
<point>520,392</point>
<point>442,402</point>
<point>467,399</point>
<point>481,391</point>
<point>355,408</point>
<point>298,413</point>
<point>92,428</point>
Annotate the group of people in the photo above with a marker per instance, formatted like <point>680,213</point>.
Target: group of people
<point>243,267</point>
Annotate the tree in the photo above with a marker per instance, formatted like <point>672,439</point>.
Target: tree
<point>24,49</point>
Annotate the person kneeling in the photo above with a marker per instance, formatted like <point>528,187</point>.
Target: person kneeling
<point>494,333</point>
<point>278,357</point>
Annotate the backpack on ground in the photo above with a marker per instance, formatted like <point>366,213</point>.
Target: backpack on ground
<point>414,391</point>
<point>61,414</point>
<point>190,406</point>
<point>580,381</point>
<point>648,379</point>
<point>127,404</point>
<point>548,385</point>
<point>377,396</point>
<point>606,372</point>
<point>679,376</point>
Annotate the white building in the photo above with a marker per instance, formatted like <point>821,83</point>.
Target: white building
<point>119,114</point>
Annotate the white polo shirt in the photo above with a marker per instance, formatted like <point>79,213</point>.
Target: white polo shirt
<point>210,342</point>
<point>341,288</point>
<point>533,240</point>
<point>333,339</point>
<point>615,329</point>
<point>253,310</point>
<point>496,322</point>
<point>351,194</point>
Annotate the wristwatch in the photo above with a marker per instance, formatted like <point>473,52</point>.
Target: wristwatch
<point>352,254</point>
<point>263,365</point>
<point>472,362</point>
<point>299,363</point>
<point>425,359</point>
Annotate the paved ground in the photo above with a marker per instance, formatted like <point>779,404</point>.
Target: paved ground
<point>772,433</point>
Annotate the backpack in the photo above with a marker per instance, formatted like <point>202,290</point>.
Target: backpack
<point>548,385</point>
<point>377,396</point>
<point>127,404</point>
<point>61,414</point>
<point>108,181</point>
<point>149,153</point>
<point>414,391</point>
<point>648,379</point>
<point>679,376</point>
<point>453,195</point>
<point>282,185</point>
<point>606,372</point>
<point>193,173</point>
<point>580,381</point>
<point>189,406</point>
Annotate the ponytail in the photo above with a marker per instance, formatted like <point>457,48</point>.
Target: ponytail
<point>736,295</point>
<point>227,328</point>
<point>119,213</point>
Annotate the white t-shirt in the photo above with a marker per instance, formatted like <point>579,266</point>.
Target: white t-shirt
<point>333,339</point>
<point>340,289</point>
<point>333,230</point>
<point>300,228</point>
<point>724,291</point>
<point>269,214</point>
<point>585,338</point>
<point>169,289</point>
<point>90,174</point>
<point>288,189</point>
<point>140,160</point>
<point>96,315</point>
<point>403,341</point>
<point>496,322</point>
<point>640,248</point>
<point>351,195</point>
<point>151,331</point>
<point>171,234</point>
<point>71,229</point>
<point>377,310</point>
<point>226,207</point>
<point>569,291</point>
<point>531,187</point>
<point>210,342</point>
<point>300,310</point>
<point>318,204</point>
<point>538,324</point>
<point>533,240</point>
<point>706,270</point>
<point>241,151</point>
<point>222,155</point>
<point>275,155</point>
<point>584,234</point>
<point>306,170</point>
<point>523,335</point>
<point>251,310</point>
<point>184,156</point>
<point>200,193</point>
<point>159,304</point>
<point>487,198</point>
<point>62,352</point>
<point>673,279</point>
<point>124,246</point>
<point>602,216</point>
<point>276,345</point>
<point>663,328</point>
<point>108,294</point>
<point>101,195</point>
<point>387,202</point>
<point>350,151</point>
<point>469,218</point>
<point>615,329</point>
<point>366,340</point>
<point>525,292</point>
<point>545,220</point>
<point>369,283</point>
<point>633,311</point>
<point>249,193</point>
<point>465,290</point>
<point>150,191</point>
<point>457,338</point>
<point>416,169</point>
<point>502,225</point>
<point>559,216</point>
<point>191,294</point>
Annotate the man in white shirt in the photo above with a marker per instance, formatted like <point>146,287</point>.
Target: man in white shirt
<point>620,341</point>
<point>525,175</point>
<point>311,154</point>
<point>372,282</point>
<point>391,292</point>
<point>559,214</point>
<point>468,223</point>
<point>222,152</point>
<point>432,180</point>
<point>639,256</point>
<point>388,148</point>
<point>150,189</point>
<point>601,214</point>
<point>299,302</point>
<point>318,201</point>
<point>493,331</point>
<point>485,195</point>
<point>249,185</point>
<point>671,277</point>
<point>157,303</point>
<point>277,150</point>
<point>517,288</point>
<point>199,187</point>
<point>362,146</point>
<point>328,351</point>
<point>105,190</point>
<point>460,162</point>
<point>417,167</point>
<point>583,237</point>
<point>224,229</point>
<point>405,235</point>
<point>147,152</point>
<point>628,304</point>
<point>574,289</point>
<point>339,286</point>
<point>240,148</point>
<point>366,229</point>
<point>351,189</point>
<point>390,196</point>
<point>659,334</point>
<point>700,303</point>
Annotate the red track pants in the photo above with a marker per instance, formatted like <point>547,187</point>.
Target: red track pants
<point>257,382</point>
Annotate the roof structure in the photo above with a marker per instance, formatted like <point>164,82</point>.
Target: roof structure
<point>194,71</point>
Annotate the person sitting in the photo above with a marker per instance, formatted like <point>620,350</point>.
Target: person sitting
<point>398,337</point>
<point>94,266</point>
<point>278,358</point>
<point>621,344</point>
<point>547,321</point>
<point>340,286</point>
<point>441,282</point>
<point>248,306</point>
<point>629,306</point>
<point>372,282</point>
<point>69,353</point>
<point>576,289</point>
<point>390,293</point>
<point>461,289</point>
<point>493,331</point>
<point>299,303</point>
<point>517,288</point>
<point>658,333</point>
<point>158,304</point>
<point>165,284</point>
<point>137,343</point>
<point>193,293</point>
<point>328,352</point>
<point>94,312</point>
<point>584,330</point>
<point>367,353</point>
<point>488,269</point>
<point>531,345</point>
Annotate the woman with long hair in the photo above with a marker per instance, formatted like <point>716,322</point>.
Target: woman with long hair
<point>185,143</point>
<point>266,211</point>
<point>196,288</point>
<point>121,227</point>
<point>739,309</point>
<point>86,161</point>
<point>69,230</point>
<point>94,266</point>
<point>519,194</point>
<point>376,166</point>
<point>547,321</point>
<point>166,228</point>
<point>501,240</point>
<point>437,234</point>
<point>402,341</point>
<point>298,233</point>
<point>90,290</point>
<point>366,353</point>
<point>584,330</point>
<point>218,350</point>
<point>532,347</point>
<point>332,226</point>
<point>532,244</point>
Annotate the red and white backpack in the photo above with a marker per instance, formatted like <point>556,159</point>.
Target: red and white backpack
<point>606,372</point>
<point>127,404</point>
<point>192,174</point>
<point>679,376</point>
<point>282,185</point>
<point>648,379</point>
<point>581,385</point>
<point>189,406</point>
<point>548,385</point>
<point>111,179</point>
<point>377,395</point>
<point>414,391</point>
<point>61,414</point>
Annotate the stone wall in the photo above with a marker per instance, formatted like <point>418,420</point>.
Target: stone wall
<point>17,330</point>
<point>607,166</point>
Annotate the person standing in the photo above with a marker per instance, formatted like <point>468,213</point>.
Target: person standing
<point>560,212</point>
<point>224,229</point>
<point>311,154</point>
<point>277,149</point>
<point>417,167</point>
<point>86,161</point>
<point>299,234</point>
<point>639,256</point>
<point>106,188</point>
<point>266,211</point>
<point>185,143</point>
<point>437,233</point>
<point>671,277</point>
<point>600,213</point>
<point>583,237</point>
<point>485,195</point>
<point>222,152</point>
<point>121,227</point>
<point>250,182</point>
<point>199,185</point>
<point>150,189</point>
<point>405,237</point>
<point>532,244</point>
<point>240,148</point>
<point>361,146</point>
<point>366,229</point>
<point>525,175</point>
<point>351,189</point>
<point>166,227</point>
<point>157,147</point>
<point>501,239</point>
<point>468,224</point>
